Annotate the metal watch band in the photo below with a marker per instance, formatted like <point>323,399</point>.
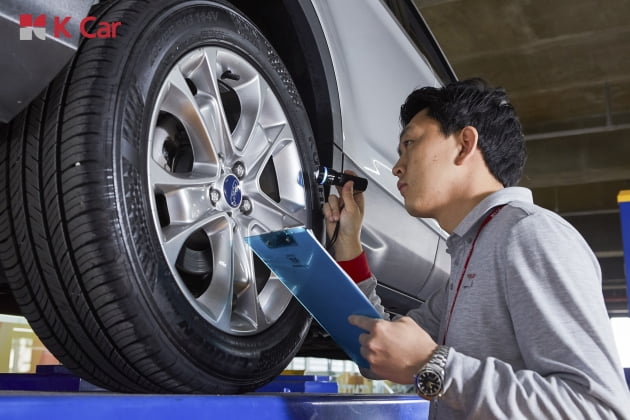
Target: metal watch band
<point>436,364</point>
<point>439,356</point>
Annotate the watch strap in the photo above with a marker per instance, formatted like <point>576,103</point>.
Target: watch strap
<point>437,364</point>
<point>439,356</point>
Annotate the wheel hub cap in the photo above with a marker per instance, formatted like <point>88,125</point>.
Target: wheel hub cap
<point>232,191</point>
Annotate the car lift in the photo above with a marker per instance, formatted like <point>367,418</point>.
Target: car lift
<point>54,393</point>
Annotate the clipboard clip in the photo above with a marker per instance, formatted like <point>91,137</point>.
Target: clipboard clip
<point>278,240</point>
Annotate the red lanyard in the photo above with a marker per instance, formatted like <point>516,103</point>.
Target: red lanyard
<point>461,278</point>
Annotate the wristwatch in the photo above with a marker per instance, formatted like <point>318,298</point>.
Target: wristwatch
<point>430,377</point>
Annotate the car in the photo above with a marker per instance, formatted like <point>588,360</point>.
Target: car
<point>142,141</point>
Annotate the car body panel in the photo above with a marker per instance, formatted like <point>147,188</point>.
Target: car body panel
<point>373,80</point>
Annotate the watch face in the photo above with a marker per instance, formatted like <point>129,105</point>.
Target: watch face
<point>429,383</point>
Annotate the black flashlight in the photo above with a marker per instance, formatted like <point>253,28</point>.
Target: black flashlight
<point>327,176</point>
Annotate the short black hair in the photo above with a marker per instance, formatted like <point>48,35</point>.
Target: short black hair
<point>473,102</point>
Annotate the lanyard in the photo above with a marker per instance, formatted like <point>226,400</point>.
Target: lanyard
<point>461,278</point>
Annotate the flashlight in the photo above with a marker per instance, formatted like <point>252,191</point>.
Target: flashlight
<point>327,176</point>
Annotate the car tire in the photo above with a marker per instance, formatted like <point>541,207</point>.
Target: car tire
<point>128,187</point>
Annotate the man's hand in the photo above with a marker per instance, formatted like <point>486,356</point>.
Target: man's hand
<point>394,349</point>
<point>347,211</point>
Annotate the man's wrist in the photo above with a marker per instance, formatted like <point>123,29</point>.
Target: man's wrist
<point>345,251</point>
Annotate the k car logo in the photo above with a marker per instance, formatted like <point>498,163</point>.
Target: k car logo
<point>30,26</point>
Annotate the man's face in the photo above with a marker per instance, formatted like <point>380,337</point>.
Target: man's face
<point>425,166</point>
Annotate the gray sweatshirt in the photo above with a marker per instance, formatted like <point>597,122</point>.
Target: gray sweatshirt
<point>530,336</point>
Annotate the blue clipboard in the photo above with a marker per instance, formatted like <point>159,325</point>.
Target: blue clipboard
<point>318,283</point>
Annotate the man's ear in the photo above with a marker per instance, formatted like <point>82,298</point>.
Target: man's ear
<point>467,143</point>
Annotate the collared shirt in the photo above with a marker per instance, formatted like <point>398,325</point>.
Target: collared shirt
<point>529,333</point>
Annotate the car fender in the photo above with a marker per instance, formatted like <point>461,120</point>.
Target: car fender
<point>375,70</point>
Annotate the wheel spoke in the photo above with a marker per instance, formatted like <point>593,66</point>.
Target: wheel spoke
<point>219,296</point>
<point>247,311</point>
<point>266,132</point>
<point>205,76</point>
<point>186,205</point>
<point>178,101</point>
<point>175,235</point>
<point>250,98</point>
<point>277,216</point>
<point>275,296</point>
<point>289,208</point>
<point>165,180</point>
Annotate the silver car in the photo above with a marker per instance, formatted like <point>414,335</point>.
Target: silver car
<point>141,141</point>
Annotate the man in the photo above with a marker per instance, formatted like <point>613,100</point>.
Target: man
<point>520,331</point>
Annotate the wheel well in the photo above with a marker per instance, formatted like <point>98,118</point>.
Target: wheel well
<point>298,39</point>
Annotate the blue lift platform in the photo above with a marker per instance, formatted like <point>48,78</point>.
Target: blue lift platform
<point>53,393</point>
